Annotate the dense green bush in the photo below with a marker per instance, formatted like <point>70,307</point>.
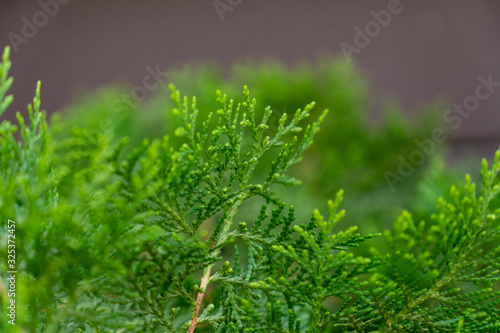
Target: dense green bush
<point>190,232</point>
<point>350,152</point>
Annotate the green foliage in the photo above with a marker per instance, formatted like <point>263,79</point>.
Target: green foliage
<point>166,234</point>
<point>442,270</point>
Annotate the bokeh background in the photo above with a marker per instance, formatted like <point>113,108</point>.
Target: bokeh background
<point>427,57</point>
<point>430,50</point>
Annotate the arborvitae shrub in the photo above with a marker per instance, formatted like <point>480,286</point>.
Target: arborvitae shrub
<point>153,239</point>
<point>349,152</point>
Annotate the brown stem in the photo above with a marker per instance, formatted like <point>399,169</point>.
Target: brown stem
<point>204,280</point>
<point>199,299</point>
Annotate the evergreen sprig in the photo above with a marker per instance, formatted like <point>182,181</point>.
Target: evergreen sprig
<point>440,273</point>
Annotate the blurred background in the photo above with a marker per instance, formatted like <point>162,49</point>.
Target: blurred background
<point>415,59</point>
<point>413,89</point>
<point>429,50</point>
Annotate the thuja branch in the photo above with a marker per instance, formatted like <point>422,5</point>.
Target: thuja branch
<point>456,257</point>
<point>245,163</point>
